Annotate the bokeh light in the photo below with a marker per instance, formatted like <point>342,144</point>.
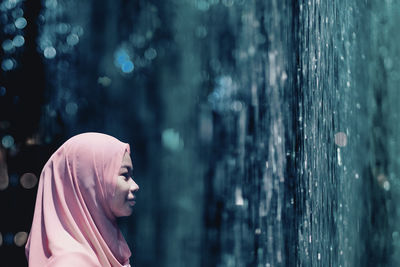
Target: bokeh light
<point>28,180</point>
<point>3,91</point>
<point>71,108</point>
<point>7,64</point>
<point>20,23</point>
<point>72,39</point>
<point>49,52</point>
<point>7,45</point>
<point>18,41</point>
<point>341,139</point>
<point>20,238</point>
<point>171,140</point>
<point>7,141</point>
<point>122,60</point>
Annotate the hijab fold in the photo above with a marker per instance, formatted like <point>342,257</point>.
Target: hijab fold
<point>73,224</point>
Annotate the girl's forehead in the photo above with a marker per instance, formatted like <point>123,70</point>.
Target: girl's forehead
<point>127,161</point>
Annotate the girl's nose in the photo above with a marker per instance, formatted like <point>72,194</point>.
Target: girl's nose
<point>134,186</point>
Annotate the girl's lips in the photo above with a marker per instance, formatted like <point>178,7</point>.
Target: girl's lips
<point>131,202</point>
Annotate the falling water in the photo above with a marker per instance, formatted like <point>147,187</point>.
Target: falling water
<point>265,133</point>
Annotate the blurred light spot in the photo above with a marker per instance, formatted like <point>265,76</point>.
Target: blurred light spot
<point>49,52</point>
<point>10,4</point>
<point>127,67</point>
<point>120,57</point>
<point>201,32</point>
<point>7,64</point>
<point>9,28</point>
<point>357,176</point>
<point>20,23</point>
<point>72,39</point>
<point>104,81</point>
<point>7,141</point>
<point>3,17</point>
<point>17,12</point>
<point>14,179</point>
<point>20,238</point>
<point>237,106</point>
<point>4,124</point>
<point>202,5</point>
<point>206,128</point>
<point>51,3</point>
<point>18,41</point>
<point>150,53</point>
<point>228,3</point>
<point>341,139</point>
<point>33,140</point>
<point>8,238</point>
<point>383,181</point>
<point>395,235</point>
<point>28,180</point>
<point>386,185</point>
<point>4,180</point>
<point>172,140</point>
<point>258,231</point>
<point>339,157</point>
<point>77,30</point>
<point>238,197</point>
<point>7,45</point>
<point>138,41</point>
<point>71,108</point>
<point>123,61</point>
<point>2,91</point>
<point>63,28</point>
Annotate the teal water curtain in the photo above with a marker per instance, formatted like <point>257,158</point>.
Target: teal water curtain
<point>265,132</point>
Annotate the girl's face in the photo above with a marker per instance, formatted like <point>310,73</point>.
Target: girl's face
<point>124,198</point>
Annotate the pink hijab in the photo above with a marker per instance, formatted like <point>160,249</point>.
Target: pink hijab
<point>73,224</point>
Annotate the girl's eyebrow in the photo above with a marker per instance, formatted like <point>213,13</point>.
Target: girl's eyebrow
<point>127,167</point>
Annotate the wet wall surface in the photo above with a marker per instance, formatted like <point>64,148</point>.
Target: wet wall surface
<point>264,133</point>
